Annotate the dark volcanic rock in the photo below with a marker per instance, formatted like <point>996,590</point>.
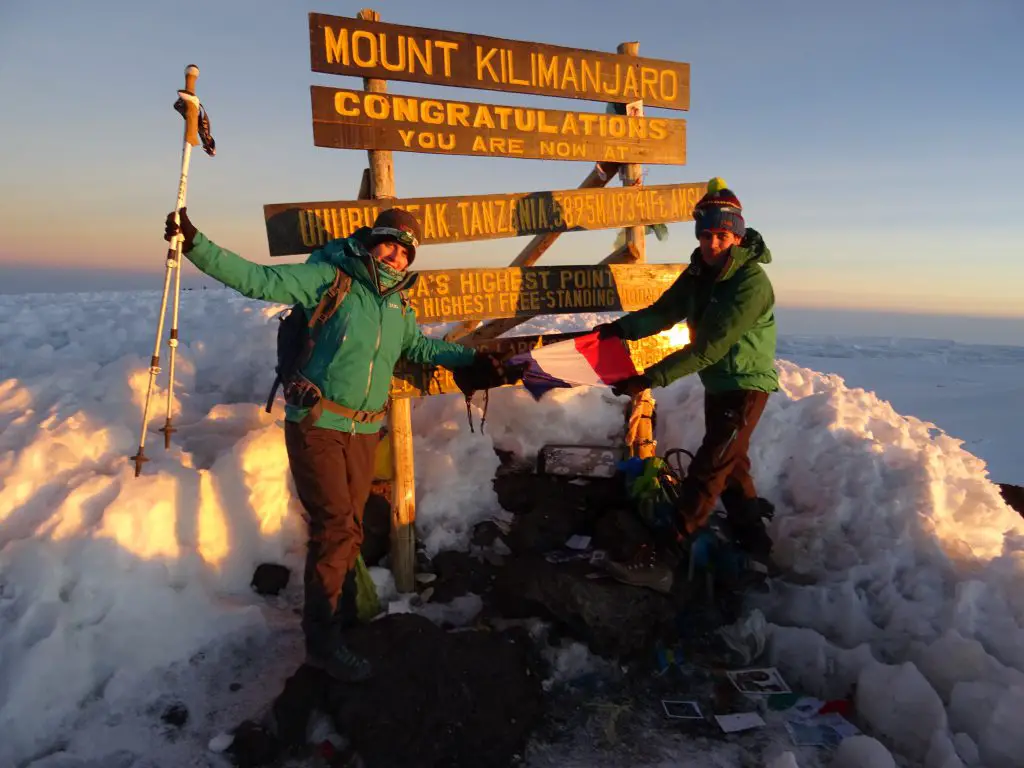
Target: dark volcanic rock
<point>270,578</point>
<point>549,509</point>
<point>439,698</point>
<point>176,714</point>
<point>620,533</point>
<point>1014,496</point>
<point>612,618</point>
<point>459,573</point>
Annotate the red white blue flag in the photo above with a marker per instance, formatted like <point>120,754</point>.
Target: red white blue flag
<point>585,360</point>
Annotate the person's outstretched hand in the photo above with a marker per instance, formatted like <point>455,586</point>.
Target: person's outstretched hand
<point>188,231</point>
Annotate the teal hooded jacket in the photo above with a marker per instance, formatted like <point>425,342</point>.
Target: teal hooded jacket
<point>355,355</point>
<point>731,318</point>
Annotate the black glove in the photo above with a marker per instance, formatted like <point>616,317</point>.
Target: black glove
<point>632,386</point>
<point>608,331</point>
<point>186,229</point>
<point>486,371</point>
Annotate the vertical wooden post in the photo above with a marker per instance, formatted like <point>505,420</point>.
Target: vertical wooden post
<point>403,497</point>
<point>632,174</point>
<point>640,427</point>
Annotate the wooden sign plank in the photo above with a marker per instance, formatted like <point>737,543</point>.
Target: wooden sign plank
<point>413,380</point>
<point>476,294</point>
<point>341,46</point>
<point>344,119</point>
<point>303,227</point>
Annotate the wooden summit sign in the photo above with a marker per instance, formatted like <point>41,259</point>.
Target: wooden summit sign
<point>419,381</point>
<point>341,46</point>
<point>476,294</point>
<point>303,227</point>
<point>345,119</point>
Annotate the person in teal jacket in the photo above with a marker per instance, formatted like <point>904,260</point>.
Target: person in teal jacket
<point>727,302</point>
<point>335,408</point>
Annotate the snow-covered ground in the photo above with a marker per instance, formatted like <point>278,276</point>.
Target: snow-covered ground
<point>119,595</point>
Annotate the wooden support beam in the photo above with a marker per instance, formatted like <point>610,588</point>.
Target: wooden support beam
<point>639,430</point>
<point>632,174</point>
<point>599,176</point>
<point>403,497</point>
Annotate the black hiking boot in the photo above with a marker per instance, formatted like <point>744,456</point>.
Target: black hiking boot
<point>744,525</point>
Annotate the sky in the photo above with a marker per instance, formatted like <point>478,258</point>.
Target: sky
<point>875,145</point>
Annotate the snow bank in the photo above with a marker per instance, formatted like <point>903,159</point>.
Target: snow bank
<point>104,578</point>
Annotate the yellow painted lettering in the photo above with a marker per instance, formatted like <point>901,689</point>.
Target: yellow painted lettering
<point>648,82</point>
<point>547,71</point>
<point>543,125</point>
<point>482,118</point>
<point>336,47</point>
<point>458,114</point>
<point>590,70</point>
<point>398,66</point>
<point>483,61</point>
<point>630,87</point>
<point>569,75</point>
<point>669,82</point>
<point>658,128</point>
<point>432,112</point>
<point>446,53</point>
<point>503,113</point>
<point>377,107</point>
<point>512,72</point>
<point>341,99</point>
<point>370,60</point>
<point>406,109</point>
<point>424,57</point>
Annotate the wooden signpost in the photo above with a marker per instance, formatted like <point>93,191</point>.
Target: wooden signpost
<point>358,120</point>
<point>303,227</point>
<point>341,46</point>
<point>475,294</point>
<point>618,142</point>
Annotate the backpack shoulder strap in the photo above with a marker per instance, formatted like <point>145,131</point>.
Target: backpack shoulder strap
<point>331,300</point>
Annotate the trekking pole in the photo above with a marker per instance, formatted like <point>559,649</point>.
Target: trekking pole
<point>191,110</point>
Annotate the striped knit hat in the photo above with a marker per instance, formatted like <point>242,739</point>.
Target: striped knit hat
<point>719,210</point>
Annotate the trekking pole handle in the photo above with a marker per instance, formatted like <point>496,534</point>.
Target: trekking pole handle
<point>188,95</point>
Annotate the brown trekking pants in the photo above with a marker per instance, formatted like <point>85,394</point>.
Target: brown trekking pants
<point>333,473</point>
<point>721,463</point>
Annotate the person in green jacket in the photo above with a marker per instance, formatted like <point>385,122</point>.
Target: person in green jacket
<point>727,302</point>
<point>335,406</point>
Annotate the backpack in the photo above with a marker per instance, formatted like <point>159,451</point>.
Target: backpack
<point>297,335</point>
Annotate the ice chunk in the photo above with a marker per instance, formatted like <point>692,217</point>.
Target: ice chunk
<point>942,753</point>
<point>862,752</point>
<point>966,749</point>
<point>898,703</point>
<point>785,760</point>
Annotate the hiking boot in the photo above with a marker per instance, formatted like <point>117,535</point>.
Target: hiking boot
<point>643,570</point>
<point>341,664</point>
<point>745,527</point>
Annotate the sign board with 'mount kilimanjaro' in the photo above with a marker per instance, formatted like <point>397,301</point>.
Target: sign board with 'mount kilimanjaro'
<point>341,46</point>
<point>346,119</point>
<point>294,228</point>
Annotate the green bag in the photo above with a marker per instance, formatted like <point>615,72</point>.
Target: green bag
<point>367,602</point>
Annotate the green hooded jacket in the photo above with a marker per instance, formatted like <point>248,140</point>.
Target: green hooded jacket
<point>731,318</point>
<point>356,352</point>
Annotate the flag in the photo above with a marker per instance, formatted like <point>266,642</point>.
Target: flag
<point>585,360</point>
